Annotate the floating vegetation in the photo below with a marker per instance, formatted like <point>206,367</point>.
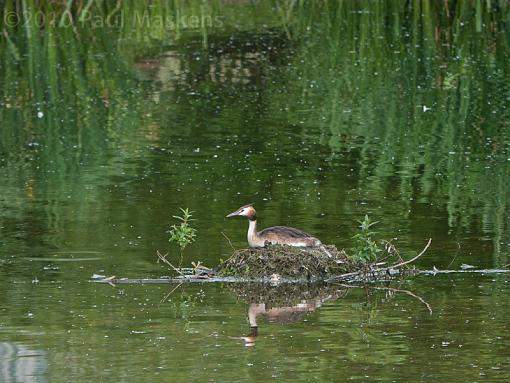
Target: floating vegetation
<point>287,262</point>
<point>314,264</point>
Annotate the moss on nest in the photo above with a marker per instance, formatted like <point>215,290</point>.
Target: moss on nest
<point>288,262</point>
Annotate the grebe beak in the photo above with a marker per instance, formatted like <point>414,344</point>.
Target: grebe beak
<point>234,214</point>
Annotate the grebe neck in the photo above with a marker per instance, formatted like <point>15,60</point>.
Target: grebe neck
<point>252,229</point>
<point>252,233</point>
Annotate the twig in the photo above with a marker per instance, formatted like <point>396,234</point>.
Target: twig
<point>378,270</point>
<point>429,307</point>
<point>453,260</point>
<point>109,280</point>
<point>391,250</point>
<point>234,254</point>
<point>344,276</point>
<point>412,259</point>
<point>229,242</point>
<point>164,260</point>
<point>170,293</point>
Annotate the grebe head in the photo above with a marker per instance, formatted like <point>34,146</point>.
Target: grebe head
<point>246,211</point>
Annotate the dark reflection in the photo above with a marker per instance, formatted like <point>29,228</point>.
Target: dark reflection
<point>287,303</point>
<point>280,315</point>
<point>241,61</point>
<point>19,363</point>
<point>283,303</point>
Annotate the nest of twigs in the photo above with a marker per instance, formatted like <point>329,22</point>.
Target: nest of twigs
<point>287,262</point>
<point>313,264</point>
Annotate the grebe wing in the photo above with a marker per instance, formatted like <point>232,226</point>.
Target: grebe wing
<point>285,231</point>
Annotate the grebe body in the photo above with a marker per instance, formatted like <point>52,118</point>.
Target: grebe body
<point>276,235</point>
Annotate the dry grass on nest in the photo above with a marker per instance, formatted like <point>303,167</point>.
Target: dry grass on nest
<point>315,264</point>
<point>288,262</point>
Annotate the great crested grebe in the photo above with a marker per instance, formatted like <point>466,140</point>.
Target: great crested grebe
<point>276,235</point>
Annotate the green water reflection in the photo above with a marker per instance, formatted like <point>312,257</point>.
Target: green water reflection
<point>319,113</point>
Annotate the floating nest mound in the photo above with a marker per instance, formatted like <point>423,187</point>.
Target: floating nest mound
<point>288,262</point>
<point>281,263</point>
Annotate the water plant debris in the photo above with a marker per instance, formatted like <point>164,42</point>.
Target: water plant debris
<point>313,264</point>
<point>286,262</point>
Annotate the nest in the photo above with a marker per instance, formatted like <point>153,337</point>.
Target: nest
<point>288,262</point>
<point>281,263</point>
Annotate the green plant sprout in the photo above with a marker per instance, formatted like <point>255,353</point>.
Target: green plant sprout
<point>183,234</point>
<point>366,249</point>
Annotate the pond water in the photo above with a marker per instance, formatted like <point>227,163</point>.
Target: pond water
<point>319,114</point>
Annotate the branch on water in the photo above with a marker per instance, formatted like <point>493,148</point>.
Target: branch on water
<point>373,271</point>
<point>109,280</point>
<point>163,259</point>
<point>412,259</point>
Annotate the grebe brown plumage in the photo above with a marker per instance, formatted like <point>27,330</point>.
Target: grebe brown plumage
<point>276,235</point>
